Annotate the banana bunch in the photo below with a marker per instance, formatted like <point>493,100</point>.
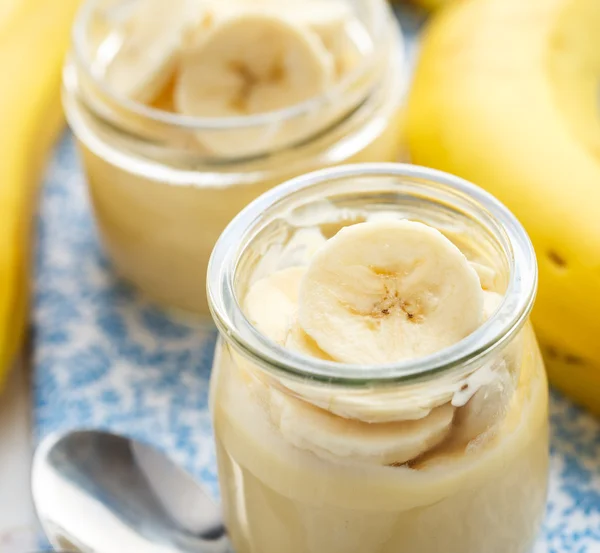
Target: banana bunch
<point>34,35</point>
<point>506,95</point>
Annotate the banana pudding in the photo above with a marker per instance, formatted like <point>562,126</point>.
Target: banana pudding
<point>187,110</point>
<point>377,387</point>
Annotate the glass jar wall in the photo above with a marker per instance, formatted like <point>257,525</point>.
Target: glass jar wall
<point>445,452</point>
<point>164,184</point>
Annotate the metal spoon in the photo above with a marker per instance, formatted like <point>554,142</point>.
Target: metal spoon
<point>101,493</point>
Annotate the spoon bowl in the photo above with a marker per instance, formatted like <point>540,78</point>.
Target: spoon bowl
<point>98,492</point>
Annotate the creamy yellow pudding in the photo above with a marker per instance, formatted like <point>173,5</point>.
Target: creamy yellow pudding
<point>185,111</point>
<point>316,456</point>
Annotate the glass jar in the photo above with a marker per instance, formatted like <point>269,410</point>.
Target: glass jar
<point>284,488</point>
<point>161,200</point>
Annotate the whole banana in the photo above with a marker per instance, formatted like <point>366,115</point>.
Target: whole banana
<point>506,95</point>
<point>34,36</point>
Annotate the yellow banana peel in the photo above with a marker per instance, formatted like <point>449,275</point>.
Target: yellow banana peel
<point>506,94</point>
<point>34,37</point>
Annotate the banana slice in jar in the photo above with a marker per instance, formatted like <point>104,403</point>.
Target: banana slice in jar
<point>487,276</point>
<point>251,64</point>
<point>491,302</point>
<point>327,18</point>
<point>148,44</point>
<point>297,340</point>
<point>301,247</point>
<point>385,291</point>
<point>333,21</point>
<point>332,437</point>
<point>487,406</point>
<point>271,303</point>
<point>342,33</point>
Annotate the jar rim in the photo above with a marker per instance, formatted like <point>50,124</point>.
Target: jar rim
<point>510,316</point>
<point>188,122</point>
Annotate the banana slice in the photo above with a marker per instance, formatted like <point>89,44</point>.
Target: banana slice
<point>339,29</point>
<point>149,43</point>
<point>297,340</point>
<point>332,437</point>
<point>301,247</point>
<point>296,252</point>
<point>487,407</point>
<point>487,275</point>
<point>271,303</point>
<point>326,18</point>
<point>250,64</point>
<point>367,405</point>
<point>491,302</point>
<point>384,291</point>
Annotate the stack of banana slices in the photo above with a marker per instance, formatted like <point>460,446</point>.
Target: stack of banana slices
<point>235,58</point>
<point>380,292</point>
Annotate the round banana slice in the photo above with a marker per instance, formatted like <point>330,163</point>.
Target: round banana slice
<point>332,437</point>
<point>487,275</point>
<point>149,46</point>
<point>271,303</point>
<point>334,21</point>
<point>384,291</point>
<point>297,340</point>
<point>367,405</point>
<point>297,251</point>
<point>301,247</point>
<point>491,302</point>
<point>327,18</point>
<point>250,64</point>
<point>487,407</point>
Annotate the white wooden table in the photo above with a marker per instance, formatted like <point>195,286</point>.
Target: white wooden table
<point>18,525</point>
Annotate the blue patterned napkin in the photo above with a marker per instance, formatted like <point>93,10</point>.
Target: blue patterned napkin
<point>103,356</point>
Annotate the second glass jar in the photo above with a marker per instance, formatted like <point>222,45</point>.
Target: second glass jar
<point>161,201</point>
